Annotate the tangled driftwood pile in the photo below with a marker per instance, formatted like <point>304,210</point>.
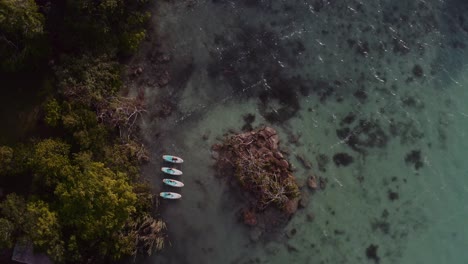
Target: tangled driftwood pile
<point>255,160</point>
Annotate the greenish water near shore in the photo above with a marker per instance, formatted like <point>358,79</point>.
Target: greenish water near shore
<point>382,83</point>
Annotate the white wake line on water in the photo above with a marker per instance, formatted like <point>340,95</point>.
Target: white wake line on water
<point>337,181</point>
<point>449,75</point>
<point>374,73</point>
<point>205,107</point>
<point>294,33</point>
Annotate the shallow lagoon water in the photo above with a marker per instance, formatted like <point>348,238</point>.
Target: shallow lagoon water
<point>383,82</point>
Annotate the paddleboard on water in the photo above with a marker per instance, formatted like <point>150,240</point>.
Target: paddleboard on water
<point>171,171</point>
<point>173,159</point>
<point>170,195</point>
<point>173,183</point>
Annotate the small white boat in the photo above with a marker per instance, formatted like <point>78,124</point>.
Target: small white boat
<point>173,183</point>
<point>173,159</point>
<point>170,195</point>
<point>171,171</point>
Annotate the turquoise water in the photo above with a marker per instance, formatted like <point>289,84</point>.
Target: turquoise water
<point>382,85</point>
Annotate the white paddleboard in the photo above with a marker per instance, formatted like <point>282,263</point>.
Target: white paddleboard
<point>173,159</point>
<point>171,171</point>
<point>170,195</point>
<point>173,183</point>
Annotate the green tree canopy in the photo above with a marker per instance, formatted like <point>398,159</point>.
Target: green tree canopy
<point>43,230</point>
<point>107,26</point>
<point>82,204</point>
<point>6,233</point>
<point>91,206</point>
<point>50,161</point>
<point>13,208</point>
<point>21,33</point>
<point>33,222</point>
<point>82,124</point>
<point>87,80</point>
<point>102,199</point>
<point>53,113</point>
<point>15,220</point>
<point>96,203</point>
<point>6,158</point>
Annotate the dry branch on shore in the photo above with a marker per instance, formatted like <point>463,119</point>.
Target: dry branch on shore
<point>122,113</point>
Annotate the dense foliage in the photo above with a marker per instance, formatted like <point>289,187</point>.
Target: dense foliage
<point>22,34</point>
<point>85,202</point>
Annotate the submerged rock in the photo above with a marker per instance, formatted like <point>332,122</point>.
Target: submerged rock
<point>304,202</point>
<point>292,232</point>
<point>310,217</point>
<point>342,159</point>
<point>322,183</point>
<point>249,217</point>
<point>312,182</point>
<point>371,253</point>
<point>291,206</point>
<point>304,161</point>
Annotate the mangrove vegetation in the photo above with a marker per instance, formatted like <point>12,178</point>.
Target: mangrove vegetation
<point>71,185</point>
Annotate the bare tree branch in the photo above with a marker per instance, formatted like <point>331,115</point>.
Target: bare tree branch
<point>121,113</point>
